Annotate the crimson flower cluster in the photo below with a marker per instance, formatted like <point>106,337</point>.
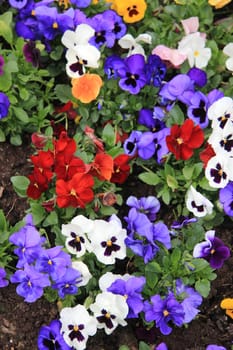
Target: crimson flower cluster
<point>73,179</point>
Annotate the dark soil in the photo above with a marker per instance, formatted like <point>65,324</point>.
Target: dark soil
<point>20,321</point>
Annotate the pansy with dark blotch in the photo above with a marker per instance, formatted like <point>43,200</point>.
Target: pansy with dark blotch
<point>226,198</point>
<point>148,205</point>
<point>103,25</point>
<point>151,119</point>
<point>155,70</point>
<point>132,75</point>
<point>212,249</point>
<point>197,109</point>
<point>50,337</point>
<point>111,66</point>
<point>131,143</point>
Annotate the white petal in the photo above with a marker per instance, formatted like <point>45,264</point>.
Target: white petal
<point>228,49</point>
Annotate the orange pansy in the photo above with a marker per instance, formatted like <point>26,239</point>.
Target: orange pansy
<point>87,87</point>
<point>131,10</point>
<point>227,304</point>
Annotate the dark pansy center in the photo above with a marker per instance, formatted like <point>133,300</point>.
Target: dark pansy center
<point>51,343</point>
<point>200,112</point>
<point>110,246</point>
<point>199,208</point>
<point>78,66</point>
<point>106,318</point>
<point>227,143</point>
<point>100,37</point>
<point>223,120</point>
<point>132,10</point>
<point>76,242</point>
<point>76,332</point>
<point>131,79</point>
<point>130,145</point>
<point>218,174</point>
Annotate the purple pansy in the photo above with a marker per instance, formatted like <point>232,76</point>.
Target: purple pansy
<point>161,346</point>
<point>197,109</point>
<point>215,347</point>
<point>18,4</point>
<point>164,311</point>
<point>148,118</point>
<point>111,66</point>
<point>131,289</point>
<point>31,283</point>
<point>131,143</point>
<point>155,70</point>
<point>67,283</point>
<point>3,281</point>
<point>81,3</point>
<point>28,242</point>
<point>148,205</point>
<point>182,221</point>
<point>198,75</point>
<point>31,53</point>
<point>213,250</point>
<point>103,24</point>
<point>132,75</point>
<point>181,88</point>
<point>53,261</point>
<point>50,337</point>
<point>226,198</point>
<point>191,299</point>
<point>4,105</point>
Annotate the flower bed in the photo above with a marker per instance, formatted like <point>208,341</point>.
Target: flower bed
<point>111,92</point>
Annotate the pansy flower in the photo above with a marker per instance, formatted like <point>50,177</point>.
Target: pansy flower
<point>76,326</point>
<point>184,139</point>
<point>227,305</point>
<point>163,312</point>
<point>132,75</point>
<point>131,10</point>
<point>197,203</point>
<point>121,169</point>
<point>3,281</point>
<point>228,51</point>
<point>128,42</point>
<point>180,88</point>
<point>219,171</point>
<point>148,205</point>
<point>76,235</point>
<point>110,310</point>
<point>4,105</point>
<point>212,249</point>
<point>221,112</point>
<point>197,109</point>
<point>85,274</point>
<point>131,143</point>
<point>226,198</point>
<point>218,4</point>
<point>214,346</point>
<point>87,87</point>
<point>50,337</point>
<point>221,140</point>
<point>155,70</point>
<point>107,241</point>
<point>103,25</point>
<point>111,66</point>
<point>31,283</point>
<point>68,282</point>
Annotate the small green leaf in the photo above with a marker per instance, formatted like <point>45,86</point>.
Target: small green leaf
<point>20,184</point>
<point>144,346</point>
<point>2,136</point>
<point>109,135</point>
<point>172,183</point>
<point>149,178</point>
<point>21,114</point>
<point>5,27</point>
<point>203,287</point>
<point>51,220</point>
<point>63,92</point>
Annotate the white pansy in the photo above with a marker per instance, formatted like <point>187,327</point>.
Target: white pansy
<point>110,310</point>
<point>193,46</point>
<point>76,232</point>
<point>76,326</point>
<point>133,44</point>
<point>228,50</point>
<point>107,241</point>
<point>84,271</point>
<point>221,112</point>
<point>219,171</point>
<point>79,58</point>
<point>221,140</point>
<point>198,204</point>
<point>82,34</point>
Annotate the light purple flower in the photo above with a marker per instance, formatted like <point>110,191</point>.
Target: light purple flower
<point>164,311</point>
<point>191,299</point>
<point>50,337</point>
<point>215,347</point>
<point>226,198</point>
<point>31,283</point>
<point>4,105</point>
<point>212,249</point>
<point>3,281</point>
<point>148,205</point>
<point>67,283</point>
<point>131,289</point>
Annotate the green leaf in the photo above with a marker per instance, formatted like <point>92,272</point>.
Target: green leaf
<point>51,220</point>
<point>38,213</point>
<point>63,92</point>
<point>2,136</point>
<point>16,140</point>
<point>20,184</point>
<point>109,135</point>
<point>124,347</point>
<point>166,197</point>
<point>21,114</point>
<point>203,287</point>
<point>144,346</point>
<point>5,27</point>
<point>175,257</point>
<point>172,183</point>
<point>149,178</point>
<point>3,222</point>
<point>5,81</point>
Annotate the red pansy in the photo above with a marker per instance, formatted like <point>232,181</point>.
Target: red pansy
<point>121,169</point>
<point>43,161</point>
<point>102,166</point>
<point>76,192</point>
<point>38,184</point>
<point>183,139</point>
<point>206,154</point>
<point>66,167</point>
